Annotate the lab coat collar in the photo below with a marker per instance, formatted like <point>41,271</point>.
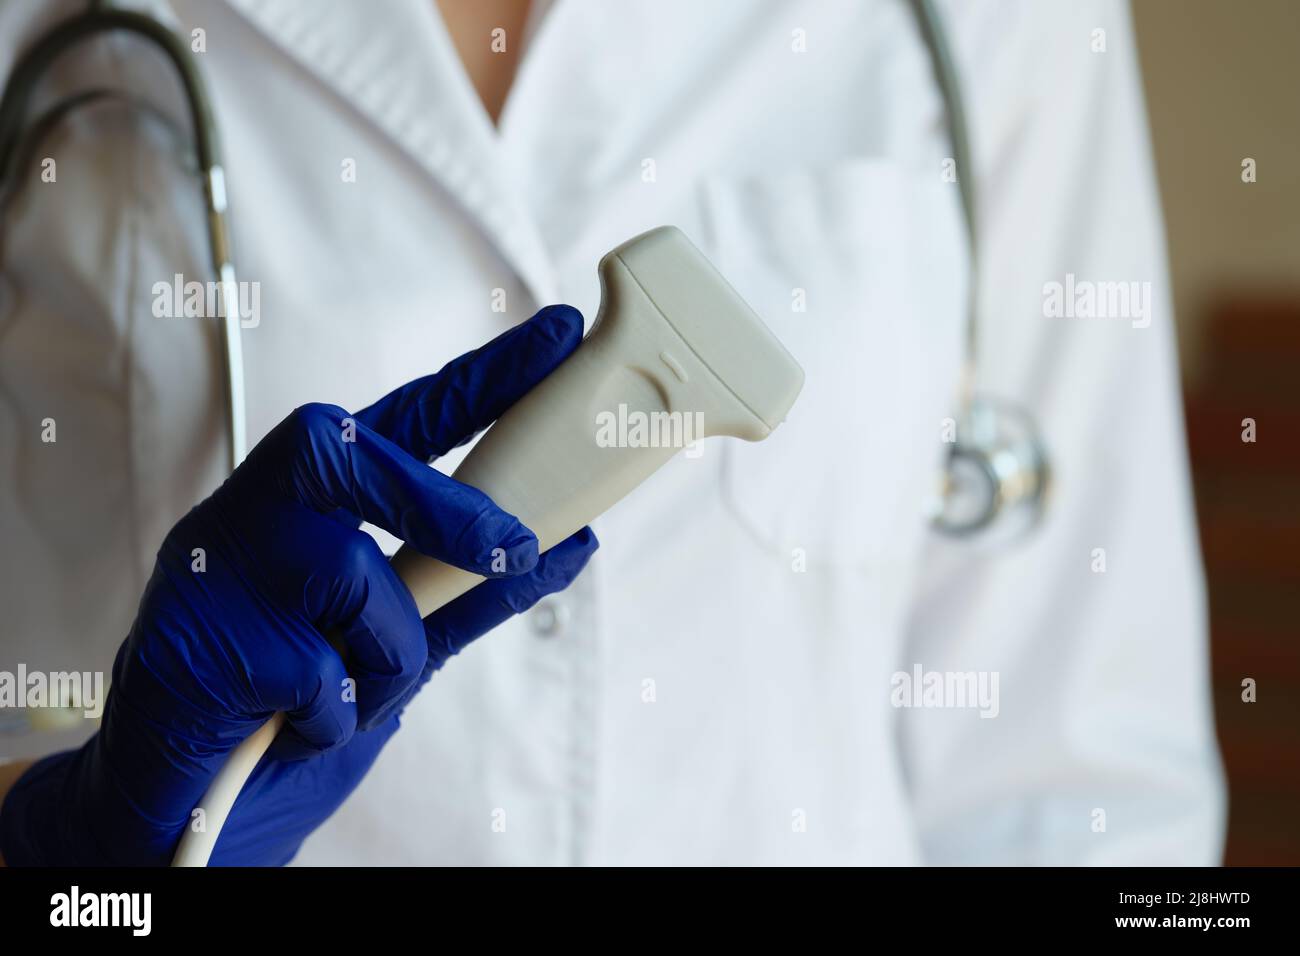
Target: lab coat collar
<point>417,92</point>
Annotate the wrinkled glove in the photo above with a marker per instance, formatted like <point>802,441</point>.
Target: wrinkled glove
<point>232,625</point>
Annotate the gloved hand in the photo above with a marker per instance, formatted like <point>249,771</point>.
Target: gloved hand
<point>229,634</point>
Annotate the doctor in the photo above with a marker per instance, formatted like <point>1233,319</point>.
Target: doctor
<point>721,684</point>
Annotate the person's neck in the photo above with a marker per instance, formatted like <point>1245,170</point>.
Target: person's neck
<point>488,35</point>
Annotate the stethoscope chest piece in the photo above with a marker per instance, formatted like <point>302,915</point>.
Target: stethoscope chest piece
<point>996,477</point>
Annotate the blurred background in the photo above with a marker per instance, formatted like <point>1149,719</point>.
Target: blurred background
<point>1221,82</point>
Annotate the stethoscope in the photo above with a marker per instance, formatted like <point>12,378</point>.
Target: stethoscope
<point>996,472</point>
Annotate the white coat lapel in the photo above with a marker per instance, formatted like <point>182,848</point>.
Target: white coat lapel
<point>395,64</point>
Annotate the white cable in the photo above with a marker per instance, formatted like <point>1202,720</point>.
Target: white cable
<point>196,845</point>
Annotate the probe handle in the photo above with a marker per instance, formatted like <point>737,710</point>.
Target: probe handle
<point>633,394</point>
<point>540,461</point>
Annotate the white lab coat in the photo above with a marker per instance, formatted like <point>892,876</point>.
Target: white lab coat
<point>716,688</point>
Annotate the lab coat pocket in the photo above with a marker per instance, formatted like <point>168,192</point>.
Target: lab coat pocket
<point>860,269</point>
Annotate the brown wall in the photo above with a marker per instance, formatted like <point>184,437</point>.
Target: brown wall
<point>1223,84</point>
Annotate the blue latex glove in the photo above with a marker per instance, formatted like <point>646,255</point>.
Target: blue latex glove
<point>214,653</point>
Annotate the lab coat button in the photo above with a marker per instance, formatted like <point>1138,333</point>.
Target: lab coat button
<point>549,616</point>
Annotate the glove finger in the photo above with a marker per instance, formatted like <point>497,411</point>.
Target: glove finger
<point>351,640</point>
<point>373,617</point>
<point>327,460</point>
<point>431,415</point>
<point>451,628</point>
<point>319,717</point>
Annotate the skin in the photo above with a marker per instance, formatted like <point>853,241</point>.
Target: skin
<point>470,24</point>
<point>9,774</point>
